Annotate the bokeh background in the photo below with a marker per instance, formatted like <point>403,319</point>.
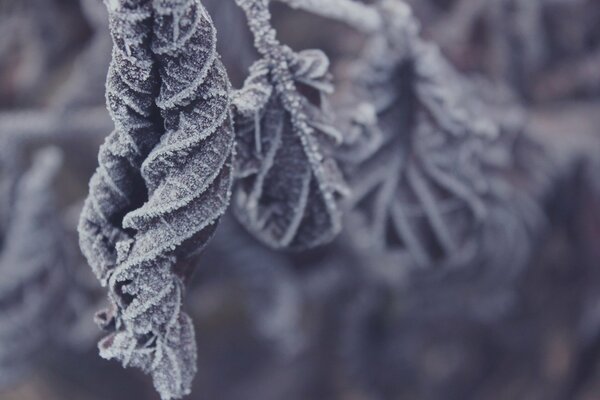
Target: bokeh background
<point>331,323</point>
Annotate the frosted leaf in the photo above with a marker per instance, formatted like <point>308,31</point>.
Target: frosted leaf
<point>117,186</point>
<point>422,191</point>
<point>288,185</point>
<point>32,268</point>
<point>78,332</point>
<point>163,182</point>
<point>171,360</point>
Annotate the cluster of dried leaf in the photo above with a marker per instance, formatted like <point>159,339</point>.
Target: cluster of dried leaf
<point>396,221</point>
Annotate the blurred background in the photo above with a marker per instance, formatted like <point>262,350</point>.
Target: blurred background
<point>345,321</point>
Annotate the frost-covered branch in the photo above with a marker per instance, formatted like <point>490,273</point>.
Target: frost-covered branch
<point>358,15</point>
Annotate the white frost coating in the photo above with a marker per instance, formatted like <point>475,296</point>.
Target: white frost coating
<point>113,5</point>
<point>163,182</point>
<point>288,187</point>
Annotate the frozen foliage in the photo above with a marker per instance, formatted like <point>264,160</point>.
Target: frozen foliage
<point>288,185</point>
<point>32,261</point>
<point>424,190</point>
<point>162,184</point>
<point>446,172</point>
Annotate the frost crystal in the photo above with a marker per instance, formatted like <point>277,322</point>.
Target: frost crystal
<point>288,185</point>
<point>163,181</point>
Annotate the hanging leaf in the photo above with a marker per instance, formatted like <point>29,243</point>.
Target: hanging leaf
<point>288,187</point>
<point>422,192</point>
<point>163,182</point>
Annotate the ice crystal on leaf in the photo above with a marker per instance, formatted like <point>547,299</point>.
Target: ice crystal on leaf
<point>288,185</point>
<point>163,181</point>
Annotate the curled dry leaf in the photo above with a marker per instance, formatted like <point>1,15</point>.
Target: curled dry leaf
<point>288,187</point>
<point>163,182</point>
